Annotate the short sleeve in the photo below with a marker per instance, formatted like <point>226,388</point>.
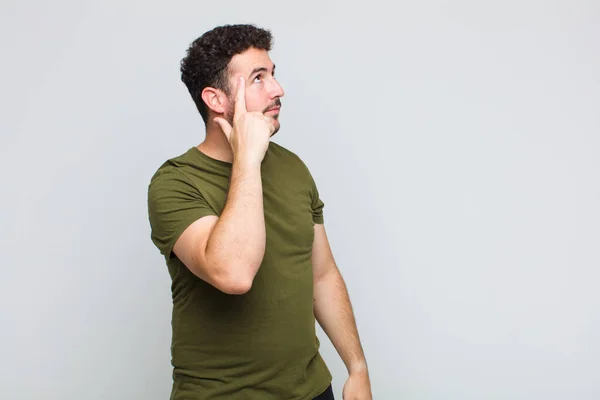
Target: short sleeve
<point>174,203</point>
<point>317,204</point>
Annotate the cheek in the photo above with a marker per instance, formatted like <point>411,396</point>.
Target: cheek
<point>255,100</point>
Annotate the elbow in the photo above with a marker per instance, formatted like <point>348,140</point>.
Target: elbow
<point>237,287</point>
<point>237,281</point>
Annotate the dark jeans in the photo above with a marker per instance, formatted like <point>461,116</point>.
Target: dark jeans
<point>326,395</point>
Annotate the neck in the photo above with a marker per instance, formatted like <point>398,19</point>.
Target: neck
<point>215,144</point>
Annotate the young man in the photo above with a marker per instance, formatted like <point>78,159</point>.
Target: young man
<point>239,221</point>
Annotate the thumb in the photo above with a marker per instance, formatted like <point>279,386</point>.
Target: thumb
<point>225,127</point>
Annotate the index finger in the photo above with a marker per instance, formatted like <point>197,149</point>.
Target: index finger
<point>240,100</point>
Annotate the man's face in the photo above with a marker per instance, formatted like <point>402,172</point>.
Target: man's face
<point>262,90</point>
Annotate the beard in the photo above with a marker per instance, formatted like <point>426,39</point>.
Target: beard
<point>231,111</point>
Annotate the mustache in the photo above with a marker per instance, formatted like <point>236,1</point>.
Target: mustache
<point>277,103</point>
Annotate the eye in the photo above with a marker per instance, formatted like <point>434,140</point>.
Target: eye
<point>258,78</point>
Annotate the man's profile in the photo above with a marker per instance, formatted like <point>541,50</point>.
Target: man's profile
<point>239,221</point>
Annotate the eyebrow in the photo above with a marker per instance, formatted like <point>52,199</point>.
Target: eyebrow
<point>260,69</point>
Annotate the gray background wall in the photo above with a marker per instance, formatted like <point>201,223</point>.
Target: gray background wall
<point>455,145</point>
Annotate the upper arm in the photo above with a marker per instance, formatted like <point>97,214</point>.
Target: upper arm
<point>180,218</point>
<point>190,247</point>
<point>322,256</point>
<point>182,223</point>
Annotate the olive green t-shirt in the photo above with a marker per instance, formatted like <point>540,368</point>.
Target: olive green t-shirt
<point>262,344</point>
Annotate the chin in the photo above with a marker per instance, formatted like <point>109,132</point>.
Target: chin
<point>276,129</point>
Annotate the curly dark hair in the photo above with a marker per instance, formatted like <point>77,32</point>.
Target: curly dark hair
<point>207,60</point>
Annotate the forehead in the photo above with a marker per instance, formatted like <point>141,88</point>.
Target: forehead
<point>245,62</point>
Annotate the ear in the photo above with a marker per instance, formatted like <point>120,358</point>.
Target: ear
<point>214,99</point>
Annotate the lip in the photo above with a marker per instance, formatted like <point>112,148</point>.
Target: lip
<point>274,109</point>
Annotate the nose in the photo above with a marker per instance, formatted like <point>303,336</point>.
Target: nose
<point>276,90</point>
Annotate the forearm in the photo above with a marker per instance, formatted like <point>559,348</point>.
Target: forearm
<point>333,311</point>
<point>237,242</point>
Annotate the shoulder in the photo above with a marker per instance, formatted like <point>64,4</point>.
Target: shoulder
<point>288,154</point>
<point>296,167</point>
<point>171,173</point>
<point>279,149</point>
